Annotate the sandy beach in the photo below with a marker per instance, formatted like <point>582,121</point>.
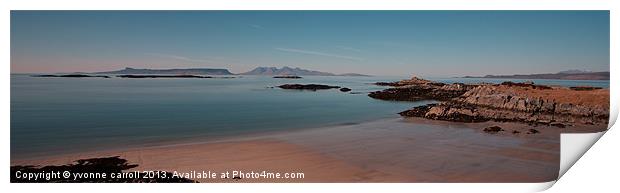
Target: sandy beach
<point>389,150</point>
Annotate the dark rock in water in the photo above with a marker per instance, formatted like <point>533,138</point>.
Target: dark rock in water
<point>560,125</point>
<point>356,93</point>
<point>525,84</point>
<point>107,166</point>
<point>345,89</point>
<point>584,88</point>
<point>416,93</point>
<point>72,76</point>
<point>402,94</point>
<point>493,129</point>
<point>416,89</point>
<point>162,76</point>
<point>532,131</point>
<point>312,87</point>
<point>289,77</point>
<point>419,111</point>
<point>387,84</point>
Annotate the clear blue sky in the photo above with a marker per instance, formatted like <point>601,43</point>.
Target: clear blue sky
<point>427,43</point>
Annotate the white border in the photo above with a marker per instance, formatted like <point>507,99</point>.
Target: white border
<point>287,5</point>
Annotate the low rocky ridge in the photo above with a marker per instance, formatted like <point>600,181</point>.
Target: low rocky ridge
<point>417,89</point>
<point>312,87</point>
<point>288,77</point>
<point>513,102</point>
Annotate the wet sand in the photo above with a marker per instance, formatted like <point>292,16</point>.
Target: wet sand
<point>390,150</point>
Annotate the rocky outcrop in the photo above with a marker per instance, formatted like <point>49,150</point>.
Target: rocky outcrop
<point>518,103</point>
<point>417,89</point>
<point>345,89</point>
<point>447,111</point>
<point>312,87</point>
<point>505,98</point>
<point>509,101</point>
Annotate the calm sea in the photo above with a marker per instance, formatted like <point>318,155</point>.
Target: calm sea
<point>65,115</point>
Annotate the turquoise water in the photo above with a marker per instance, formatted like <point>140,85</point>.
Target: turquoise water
<point>63,115</point>
<point>59,115</point>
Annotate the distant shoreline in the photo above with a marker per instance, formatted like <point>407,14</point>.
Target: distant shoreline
<point>555,76</point>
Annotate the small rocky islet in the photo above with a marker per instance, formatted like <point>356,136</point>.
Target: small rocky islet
<point>70,76</point>
<point>506,102</point>
<point>312,87</point>
<point>288,77</point>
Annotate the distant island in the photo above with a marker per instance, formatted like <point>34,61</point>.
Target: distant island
<point>564,75</point>
<point>262,71</point>
<point>162,76</point>
<point>193,71</point>
<point>274,71</point>
<point>70,76</point>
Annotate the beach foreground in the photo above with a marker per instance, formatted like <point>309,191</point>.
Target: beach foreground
<point>391,150</point>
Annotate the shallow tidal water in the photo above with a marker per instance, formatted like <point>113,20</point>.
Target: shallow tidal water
<point>52,116</point>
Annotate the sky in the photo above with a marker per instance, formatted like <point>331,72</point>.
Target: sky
<point>424,43</point>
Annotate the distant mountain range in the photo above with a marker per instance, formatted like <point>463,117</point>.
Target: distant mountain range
<point>563,75</point>
<point>265,71</point>
<point>271,71</point>
<point>191,71</point>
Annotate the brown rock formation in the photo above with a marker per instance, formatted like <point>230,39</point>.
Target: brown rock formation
<point>550,106</point>
<point>517,102</point>
<point>493,129</point>
<point>417,89</point>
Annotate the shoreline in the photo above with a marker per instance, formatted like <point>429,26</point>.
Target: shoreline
<point>362,152</point>
<point>201,140</point>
